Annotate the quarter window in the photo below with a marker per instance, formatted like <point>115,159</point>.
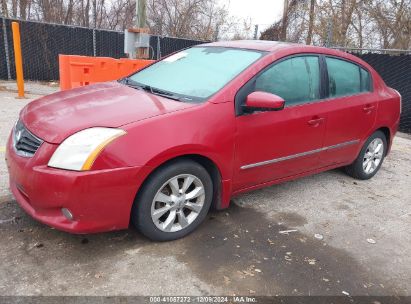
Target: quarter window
<point>365,81</point>
<point>346,78</point>
<point>296,80</point>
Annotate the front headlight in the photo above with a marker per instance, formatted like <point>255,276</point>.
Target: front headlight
<point>78,151</point>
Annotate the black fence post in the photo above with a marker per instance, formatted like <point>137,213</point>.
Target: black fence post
<point>6,48</point>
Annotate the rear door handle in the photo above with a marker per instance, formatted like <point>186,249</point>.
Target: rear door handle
<point>315,121</point>
<point>368,108</point>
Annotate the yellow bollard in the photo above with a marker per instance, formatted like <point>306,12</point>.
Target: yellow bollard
<point>18,59</point>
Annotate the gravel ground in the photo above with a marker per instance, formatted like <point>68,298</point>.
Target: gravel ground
<point>242,250</point>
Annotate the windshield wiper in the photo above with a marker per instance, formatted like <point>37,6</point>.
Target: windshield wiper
<point>159,92</point>
<point>152,90</point>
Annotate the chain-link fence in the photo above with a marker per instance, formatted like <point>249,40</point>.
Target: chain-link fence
<point>42,43</point>
<point>161,46</point>
<point>394,66</point>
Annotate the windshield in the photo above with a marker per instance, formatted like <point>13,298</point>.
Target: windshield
<point>196,73</point>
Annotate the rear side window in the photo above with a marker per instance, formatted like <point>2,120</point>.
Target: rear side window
<point>296,80</point>
<point>346,78</point>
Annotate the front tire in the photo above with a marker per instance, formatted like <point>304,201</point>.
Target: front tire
<point>370,158</point>
<point>173,201</point>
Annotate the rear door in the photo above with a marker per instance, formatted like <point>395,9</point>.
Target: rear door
<point>351,110</point>
<point>274,145</point>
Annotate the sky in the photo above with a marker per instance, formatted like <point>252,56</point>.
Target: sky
<point>262,12</point>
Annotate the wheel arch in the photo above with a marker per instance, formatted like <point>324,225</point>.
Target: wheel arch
<point>211,167</point>
<point>385,130</point>
<point>215,175</point>
<point>388,137</point>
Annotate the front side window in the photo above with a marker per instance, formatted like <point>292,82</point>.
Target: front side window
<point>346,78</point>
<point>296,80</point>
<point>196,73</point>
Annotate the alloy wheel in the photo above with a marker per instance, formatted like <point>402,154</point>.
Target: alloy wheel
<point>178,203</point>
<point>373,155</point>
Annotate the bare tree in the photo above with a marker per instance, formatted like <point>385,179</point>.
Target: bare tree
<point>355,23</point>
<point>284,25</point>
<point>274,32</point>
<point>311,22</point>
<point>393,22</point>
<point>14,8</point>
<point>4,9</point>
<point>292,25</point>
<point>289,14</point>
<point>198,19</point>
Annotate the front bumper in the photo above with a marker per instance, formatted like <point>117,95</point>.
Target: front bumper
<point>99,200</point>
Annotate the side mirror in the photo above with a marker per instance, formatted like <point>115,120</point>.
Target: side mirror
<point>264,101</point>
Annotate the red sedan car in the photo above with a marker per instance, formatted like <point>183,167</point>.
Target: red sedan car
<point>162,146</point>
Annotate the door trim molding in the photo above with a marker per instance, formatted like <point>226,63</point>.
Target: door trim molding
<point>284,158</point>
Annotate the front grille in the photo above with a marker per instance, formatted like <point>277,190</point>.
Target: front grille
<point>25,143</point>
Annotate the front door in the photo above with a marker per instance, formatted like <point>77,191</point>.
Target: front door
<point>274,145</point>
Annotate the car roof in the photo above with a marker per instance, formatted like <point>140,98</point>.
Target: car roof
<point>260,45</point>
<point>276,46</point>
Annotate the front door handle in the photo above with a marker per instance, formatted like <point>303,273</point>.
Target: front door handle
<point>368,108</point>
<point>315,121</point>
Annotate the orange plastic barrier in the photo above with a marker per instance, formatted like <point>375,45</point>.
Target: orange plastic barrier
<point>76,71</point>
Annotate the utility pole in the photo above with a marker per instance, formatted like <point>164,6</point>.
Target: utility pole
<point>141,14</point>
<point>137,40</point>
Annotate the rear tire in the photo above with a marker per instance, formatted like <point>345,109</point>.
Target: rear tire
<point>370,158</point>
<point>173,201</point>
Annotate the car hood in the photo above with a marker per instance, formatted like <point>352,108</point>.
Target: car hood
<point>111,104</point>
